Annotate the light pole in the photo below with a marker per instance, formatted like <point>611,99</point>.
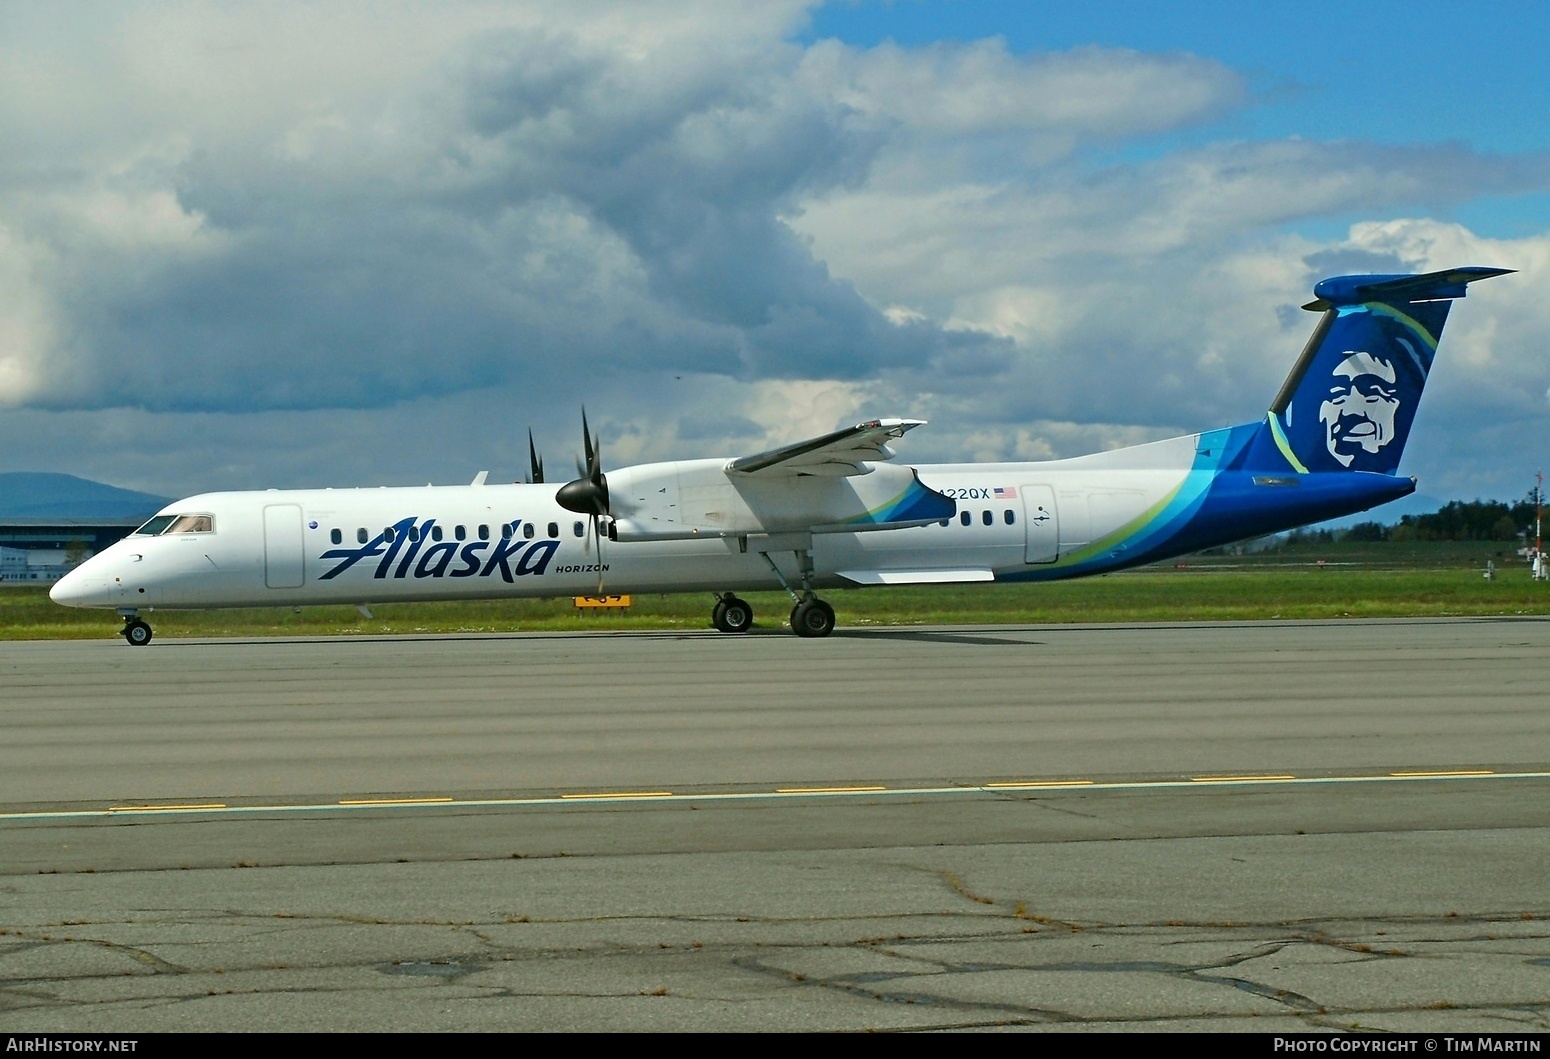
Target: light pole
<point>1539,571</point>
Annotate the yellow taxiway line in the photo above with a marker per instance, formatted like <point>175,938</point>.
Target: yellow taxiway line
<point>1441,774</point>
<point>1028,785</point>
<point>1000,787</point>
<point>605,795</point>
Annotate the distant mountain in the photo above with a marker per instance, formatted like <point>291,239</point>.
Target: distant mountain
<point>31,495</point>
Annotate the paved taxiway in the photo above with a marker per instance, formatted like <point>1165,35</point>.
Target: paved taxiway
<point>325,886</point>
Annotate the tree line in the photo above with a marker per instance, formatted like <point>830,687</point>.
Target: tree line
<point>1461,520</point>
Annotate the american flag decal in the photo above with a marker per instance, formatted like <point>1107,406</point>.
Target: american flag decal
<point>1005,492</point>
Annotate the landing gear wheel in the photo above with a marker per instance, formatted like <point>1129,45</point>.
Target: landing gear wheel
<point>137,633</point>
<point>812,618</point>
<point>732,615</point>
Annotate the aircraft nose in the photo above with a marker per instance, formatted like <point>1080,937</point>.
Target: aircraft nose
<point>82,588</point>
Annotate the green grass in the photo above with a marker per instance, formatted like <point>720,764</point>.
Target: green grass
<point>1207,588</point>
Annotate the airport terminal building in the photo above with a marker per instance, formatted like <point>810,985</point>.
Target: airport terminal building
<point>50,522</point>
<point>43,550</point>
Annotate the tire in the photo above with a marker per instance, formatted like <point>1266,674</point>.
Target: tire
<point>137,633</point>
<point>812,618</point>
<point>718,616</point>
<point>736,615</point>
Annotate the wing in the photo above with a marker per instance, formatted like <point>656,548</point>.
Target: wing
<point>834,455</point>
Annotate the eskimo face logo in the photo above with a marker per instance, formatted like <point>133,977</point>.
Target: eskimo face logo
<point>1358,414</point>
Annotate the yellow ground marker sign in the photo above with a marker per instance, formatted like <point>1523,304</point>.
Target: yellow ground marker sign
<point>585,602</point>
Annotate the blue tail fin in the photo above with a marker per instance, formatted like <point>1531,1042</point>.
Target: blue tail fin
<point>1351,398</point>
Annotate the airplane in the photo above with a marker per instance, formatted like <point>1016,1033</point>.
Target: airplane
<point>831,512</point>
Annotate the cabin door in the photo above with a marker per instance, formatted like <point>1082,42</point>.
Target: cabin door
<point>1041,523</point>
<point>282,546</point>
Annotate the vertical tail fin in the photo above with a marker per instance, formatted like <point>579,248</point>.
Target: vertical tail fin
<point>1351,398</point>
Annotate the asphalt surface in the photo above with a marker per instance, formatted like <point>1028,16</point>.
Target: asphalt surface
<point>1252,826</point>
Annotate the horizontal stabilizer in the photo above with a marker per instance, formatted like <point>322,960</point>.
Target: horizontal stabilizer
<point>1353,290</point>
<point>839,454</point>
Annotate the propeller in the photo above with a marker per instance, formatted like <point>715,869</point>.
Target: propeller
<point>588,493</point>
<point>534,463</point>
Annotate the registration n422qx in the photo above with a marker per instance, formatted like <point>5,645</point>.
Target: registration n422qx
<point>832,512</point>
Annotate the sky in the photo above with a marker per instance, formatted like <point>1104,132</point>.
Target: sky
<point>303,244</point>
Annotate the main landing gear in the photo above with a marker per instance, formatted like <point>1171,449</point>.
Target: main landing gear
<point>811,617</point>
<point>135,632</point>
<point>731,614</point>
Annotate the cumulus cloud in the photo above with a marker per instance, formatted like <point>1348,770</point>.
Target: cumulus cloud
<point>981,105</point>
<point>540,203</point>
<point>27,328</point>
<point>1165,294</point>
<point>377,240</point>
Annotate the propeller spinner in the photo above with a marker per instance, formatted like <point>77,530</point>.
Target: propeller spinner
<point>588,494</point>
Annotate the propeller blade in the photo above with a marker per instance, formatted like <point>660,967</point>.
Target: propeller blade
<point>598,533</point>
<point>587,494</point>
<point>535,465</point>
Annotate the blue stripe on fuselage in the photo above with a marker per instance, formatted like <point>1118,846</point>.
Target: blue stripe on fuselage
<point>1214,506</point>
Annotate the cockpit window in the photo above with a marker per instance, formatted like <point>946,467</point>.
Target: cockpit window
<point>165,524</point>
<point>155,526</point>
<point>192,524</point>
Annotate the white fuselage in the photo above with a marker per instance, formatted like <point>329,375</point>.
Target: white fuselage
<point>293,547</point>
<point>688,530</point>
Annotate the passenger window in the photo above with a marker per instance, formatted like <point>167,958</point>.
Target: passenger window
<point>527,530</point>
<point>484,533</point>
<point>579,529</point>
<point>505,531</point>
<point>966,518</point>
<point>1010,518</point>
<point>460,533</point>
<point>987,518</point>
<point>335,536</point>
<point>360,535</point>
<point>388,534</point>
<point>414,533</point>
<point>554,529</point>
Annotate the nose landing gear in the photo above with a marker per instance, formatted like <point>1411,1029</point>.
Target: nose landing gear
<point>135,632</point>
